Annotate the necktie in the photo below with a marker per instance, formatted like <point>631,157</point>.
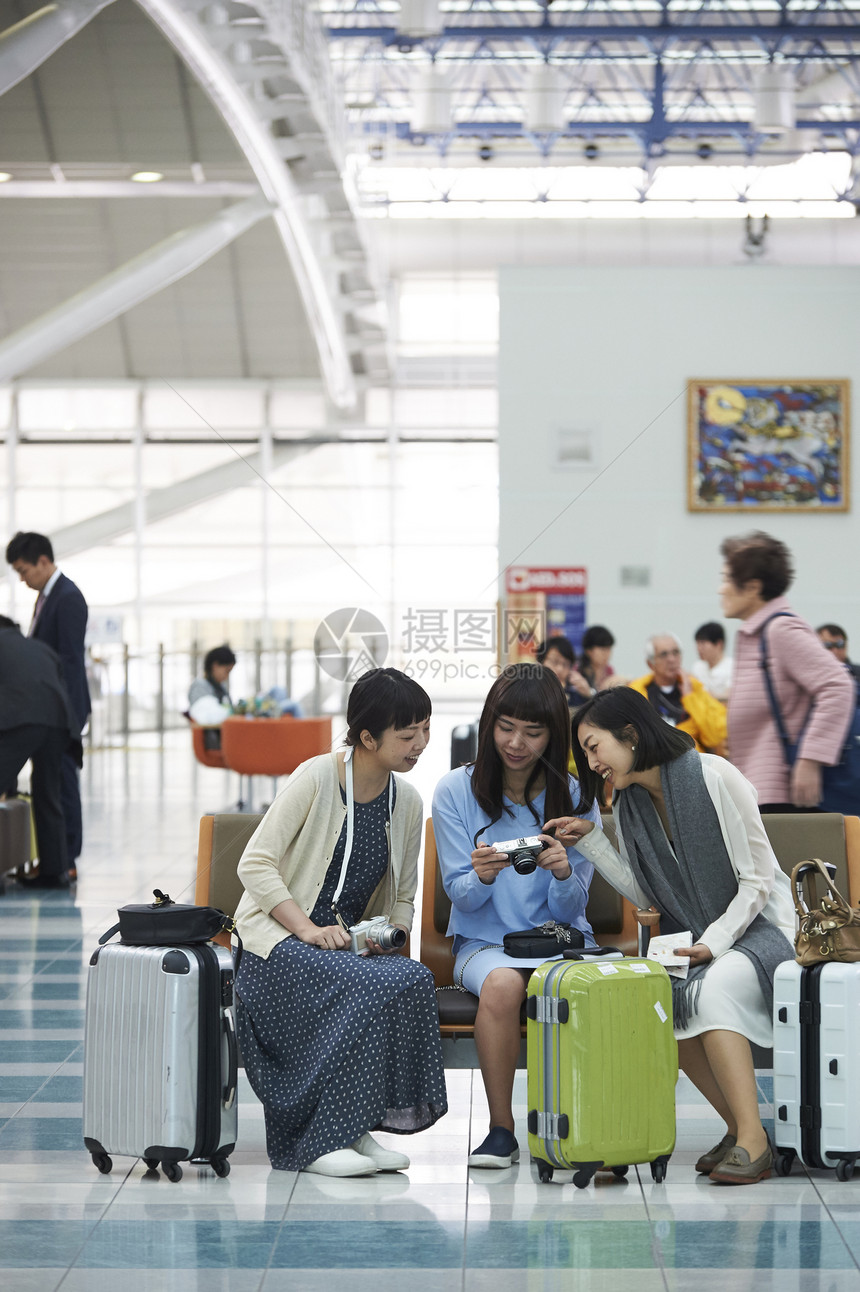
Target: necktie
<point>37,610</point>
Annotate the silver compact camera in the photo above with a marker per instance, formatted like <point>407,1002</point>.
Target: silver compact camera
<point>523,853</point>
<point>385,935</point>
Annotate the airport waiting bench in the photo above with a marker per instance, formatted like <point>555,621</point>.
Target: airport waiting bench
<point>793,836</point>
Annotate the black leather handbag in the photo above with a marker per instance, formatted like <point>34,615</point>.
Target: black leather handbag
<point>165,923</point>
<point>548,940</point>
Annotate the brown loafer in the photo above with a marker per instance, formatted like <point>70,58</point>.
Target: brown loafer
<point>714,1156</point>
<point>736,1167</point>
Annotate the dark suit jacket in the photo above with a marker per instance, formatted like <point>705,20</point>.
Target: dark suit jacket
<point>31,688</point>
<point>61,625</point>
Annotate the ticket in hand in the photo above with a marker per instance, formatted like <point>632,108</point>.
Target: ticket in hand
<point>662,949</point>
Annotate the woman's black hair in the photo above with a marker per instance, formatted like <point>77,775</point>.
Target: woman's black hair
<point>558,643</point>
<point>529,693</point>
<point>596,635</point>
<point>384,698</point>
<point>628,716</point>
<point>217,655</point>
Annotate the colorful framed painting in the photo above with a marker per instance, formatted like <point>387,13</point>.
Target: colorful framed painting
<point>768,445</point>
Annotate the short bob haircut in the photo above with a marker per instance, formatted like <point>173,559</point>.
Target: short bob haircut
<point>627,715</point>
<point>28,547</point>
<point>217,655</point>
<point>384,698</point>
<point>759,556</point>
<point>529,693</point>
<point>560,644</point>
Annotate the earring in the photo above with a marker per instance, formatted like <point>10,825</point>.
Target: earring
<point>633,749</point>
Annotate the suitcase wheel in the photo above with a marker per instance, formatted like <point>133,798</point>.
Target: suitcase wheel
<point>151,1163</point>
<point>173,1171</point>
<point>103,1162</point>
<point>582,1179</point>
<point>620,1171</point>
<point>658,1172</point>
<point>845,1170</point>
<point>783,1160</point>
<point>544,1170</point>
<point>220,1166</point>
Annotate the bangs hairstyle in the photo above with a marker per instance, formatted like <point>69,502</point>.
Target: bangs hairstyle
<point>385,698</point>
<point>529,693</point>
<point>628,716</point>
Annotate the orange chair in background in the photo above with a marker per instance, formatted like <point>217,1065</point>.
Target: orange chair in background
<point>208,757</point>
<point>271,746</point>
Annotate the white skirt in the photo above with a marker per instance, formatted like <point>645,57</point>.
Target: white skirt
<point>731,1000</point>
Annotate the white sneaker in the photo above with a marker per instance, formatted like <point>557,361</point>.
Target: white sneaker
<point>342,1162</point>
<point>384,1159</point>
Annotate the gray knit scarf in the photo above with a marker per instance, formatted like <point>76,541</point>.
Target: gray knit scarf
<point>693,886</point>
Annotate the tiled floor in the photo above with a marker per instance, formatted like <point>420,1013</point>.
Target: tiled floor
<point>441,1226</point>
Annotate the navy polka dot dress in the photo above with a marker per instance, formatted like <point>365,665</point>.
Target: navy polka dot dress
<point>336,1044</point>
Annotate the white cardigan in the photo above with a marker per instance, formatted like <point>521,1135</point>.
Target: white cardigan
<point>762,886</point>
<point>289,853</point>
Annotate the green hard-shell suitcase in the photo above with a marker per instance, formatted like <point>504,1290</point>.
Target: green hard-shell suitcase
<point>602,1067</point>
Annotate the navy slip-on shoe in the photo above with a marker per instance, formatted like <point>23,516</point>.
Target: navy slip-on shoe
<point>499,1149</point>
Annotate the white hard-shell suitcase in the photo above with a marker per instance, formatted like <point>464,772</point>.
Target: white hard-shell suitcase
<point>160,1056</point>
<point>816,1066</point>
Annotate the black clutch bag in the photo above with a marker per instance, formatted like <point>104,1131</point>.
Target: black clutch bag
<point>165,923</point>
<point>548,940</point>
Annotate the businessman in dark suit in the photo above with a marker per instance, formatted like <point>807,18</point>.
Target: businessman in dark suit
<point>60,621</point>
<point>37,722</point>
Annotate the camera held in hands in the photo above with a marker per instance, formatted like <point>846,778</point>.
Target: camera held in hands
<point>390,937</point>
<point>523,853</point>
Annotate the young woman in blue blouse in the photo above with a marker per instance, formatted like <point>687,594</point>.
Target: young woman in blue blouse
<point>515,784</point>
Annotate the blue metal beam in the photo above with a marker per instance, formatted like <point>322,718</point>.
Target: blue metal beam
<point>655,35</point>
<point>645,130</point>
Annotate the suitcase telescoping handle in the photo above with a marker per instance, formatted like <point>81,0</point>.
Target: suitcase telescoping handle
<point>232,1059</point>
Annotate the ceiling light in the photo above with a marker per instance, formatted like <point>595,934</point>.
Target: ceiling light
<point>5,176</point>
<point>544,97</point>
<point>773,99</point>
<point>147,176</point>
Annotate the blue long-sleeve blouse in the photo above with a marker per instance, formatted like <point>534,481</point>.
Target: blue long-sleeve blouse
<point>488,911</point>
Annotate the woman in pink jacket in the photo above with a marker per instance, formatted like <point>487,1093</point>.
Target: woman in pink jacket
<point>814,694</point>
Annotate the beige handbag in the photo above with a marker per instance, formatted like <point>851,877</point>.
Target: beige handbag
<point>829,931</point>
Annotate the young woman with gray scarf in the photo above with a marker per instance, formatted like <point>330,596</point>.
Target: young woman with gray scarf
<point>692,844</point>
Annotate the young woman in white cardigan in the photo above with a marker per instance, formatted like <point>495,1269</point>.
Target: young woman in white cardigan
<point>338,1044</point>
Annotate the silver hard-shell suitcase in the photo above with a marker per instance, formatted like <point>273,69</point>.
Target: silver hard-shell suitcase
<point>816,1066</point>
<point>160,1056</point>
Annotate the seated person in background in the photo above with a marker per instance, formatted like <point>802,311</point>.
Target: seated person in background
<point>692,842</point>
<point>680,699</point>
<point>594,666</point>
<point>335,1044</point>
<point>835,639</point>
<point>713,668</point>
<point>557,654</point>
<point>517,780</point>
<point>208,698</point>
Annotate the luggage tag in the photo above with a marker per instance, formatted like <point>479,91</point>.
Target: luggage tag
<point>662,949</point>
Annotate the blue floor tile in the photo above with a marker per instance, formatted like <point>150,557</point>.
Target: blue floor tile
<point>374,1245</point>
<point>39,1051</point>
<point>180,1244</point>
<point>41,1019</point>
<point>42,1133</point>
<point>61,1090</point>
